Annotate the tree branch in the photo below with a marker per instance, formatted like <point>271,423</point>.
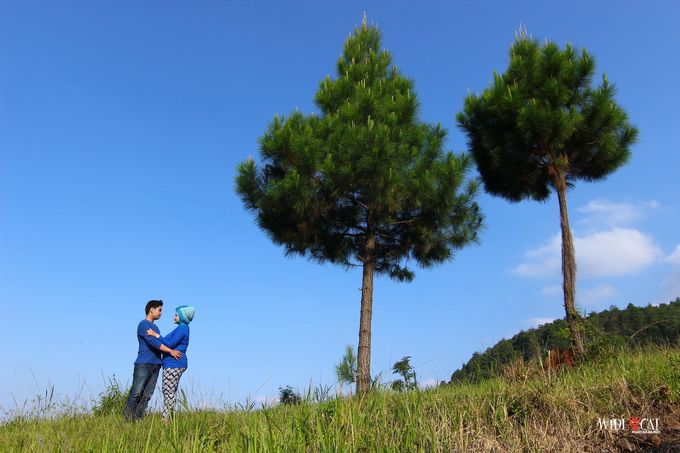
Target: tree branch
<point>400,222</point>
<point>359,203</point>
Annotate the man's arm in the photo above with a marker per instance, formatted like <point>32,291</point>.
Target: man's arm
<point>172,352</point>
<point>156,344</point>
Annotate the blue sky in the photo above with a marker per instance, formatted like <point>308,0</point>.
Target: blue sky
<point>121,125</point>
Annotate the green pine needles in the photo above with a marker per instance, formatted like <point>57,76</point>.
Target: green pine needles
<point>363,183</point>
<point>542,118</point>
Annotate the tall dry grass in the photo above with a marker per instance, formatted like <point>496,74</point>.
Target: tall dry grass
<point>525,411</point>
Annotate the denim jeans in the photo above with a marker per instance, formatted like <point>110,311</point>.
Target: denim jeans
<point>143,384</point>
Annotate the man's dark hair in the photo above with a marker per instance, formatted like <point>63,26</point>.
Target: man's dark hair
<point>152,304</point>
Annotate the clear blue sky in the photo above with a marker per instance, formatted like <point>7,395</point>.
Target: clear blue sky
<point>121,125</point>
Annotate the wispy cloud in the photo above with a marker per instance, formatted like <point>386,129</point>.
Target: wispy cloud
<point>674,258</point>
<point>620,251</point>
<point>543,261</point>
<point>670,286</point>
<point>608,214</point>
<point>536,322</point>
<point>594,297</point>
<point>550,291</point>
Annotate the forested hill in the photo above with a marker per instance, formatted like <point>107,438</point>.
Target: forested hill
<point>633,326</point>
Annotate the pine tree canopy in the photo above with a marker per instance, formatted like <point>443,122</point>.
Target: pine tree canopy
<point>542,117</point>
<point>363,166</point>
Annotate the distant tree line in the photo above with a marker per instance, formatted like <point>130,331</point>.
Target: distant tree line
<point>632,327</point>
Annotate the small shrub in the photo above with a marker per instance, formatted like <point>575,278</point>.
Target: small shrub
<point>321,393</point>
<point>112,400</point>
<point>520,371</point>
<point>602,347</point>
<point>397,385</point>
<point>288,396</point>
<point>404,368</point>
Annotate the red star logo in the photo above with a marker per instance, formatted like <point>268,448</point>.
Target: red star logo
<point>634,423</point>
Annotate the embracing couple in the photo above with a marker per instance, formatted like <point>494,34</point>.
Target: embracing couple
<point>156,351</point>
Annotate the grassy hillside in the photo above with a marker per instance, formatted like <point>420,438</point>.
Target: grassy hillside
<point>523,411</point>
<point>631,327</point>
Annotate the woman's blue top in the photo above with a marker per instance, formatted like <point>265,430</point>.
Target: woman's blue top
<point>177,339</point>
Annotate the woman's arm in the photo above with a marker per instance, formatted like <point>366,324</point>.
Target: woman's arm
<point>152,340</point>
<point>173,339</point>
<point>153,333</point>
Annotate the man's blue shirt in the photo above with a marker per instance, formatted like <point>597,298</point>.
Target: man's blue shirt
<point>149,347</point>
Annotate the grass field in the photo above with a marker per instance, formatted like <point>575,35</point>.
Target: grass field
<point>526,411</point>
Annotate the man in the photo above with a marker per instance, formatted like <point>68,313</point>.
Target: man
<point>148,362</point>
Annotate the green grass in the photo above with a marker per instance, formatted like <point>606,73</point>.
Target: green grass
<point>525,411</point>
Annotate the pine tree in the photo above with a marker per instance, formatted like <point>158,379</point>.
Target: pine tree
<point>363,183</point>
<point>541,126</point>
<point>404,369</point>
<point>346,370</point>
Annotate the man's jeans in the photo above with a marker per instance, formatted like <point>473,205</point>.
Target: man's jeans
<point>143,384</point>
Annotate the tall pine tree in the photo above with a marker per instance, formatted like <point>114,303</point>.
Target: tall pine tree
<point>540,127</point>
<point>363,183</point>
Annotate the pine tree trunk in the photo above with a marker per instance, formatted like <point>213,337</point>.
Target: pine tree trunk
<point>568,266</point>
<point>364,359</point>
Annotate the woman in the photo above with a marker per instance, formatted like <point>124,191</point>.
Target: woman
<point>173,368</point>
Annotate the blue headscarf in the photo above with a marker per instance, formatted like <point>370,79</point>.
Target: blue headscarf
<point>185,313</point>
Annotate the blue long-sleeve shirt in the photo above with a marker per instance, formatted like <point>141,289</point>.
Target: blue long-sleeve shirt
<point>177,339</point>
<point>149,347</point>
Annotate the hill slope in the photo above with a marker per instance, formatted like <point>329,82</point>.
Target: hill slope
<point>537,412</point>
<point>634,326</point>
